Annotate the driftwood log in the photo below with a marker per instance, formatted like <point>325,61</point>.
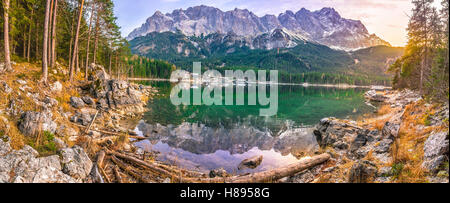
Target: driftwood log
<point>260,177</point>
<point>100,160</point>
<point>129,169</point>
<point>117,174</point>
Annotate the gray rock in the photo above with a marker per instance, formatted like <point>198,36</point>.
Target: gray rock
<point>385,172</point>
<point>390,130</point>
<point>218,173</point>
<point>56,87</point>
<point>373,96</point>
<point>32,123</point>
<point>433,164</point>
<point>329,169</point>
<point>51,175</point>
<point>340,145</point>
<point>22,82</point>
<point>77,102</point>
<point>359,141</point>
<point>60,144</point>
<point>251,163</point>
<point>362,172</point>
<point>384,146</point>
<point>24,166</point>
<point>436,150</point>
<point>302,177</point>
<point>88,100</point>
<point>437,144</point>
<point>76,162</point>
<point>5,87</point>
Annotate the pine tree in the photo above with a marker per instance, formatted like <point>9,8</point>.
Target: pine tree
<point>45,44</point>
<point>6,7</point>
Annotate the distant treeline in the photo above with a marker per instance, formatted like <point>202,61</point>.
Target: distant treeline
<point>142,67</point>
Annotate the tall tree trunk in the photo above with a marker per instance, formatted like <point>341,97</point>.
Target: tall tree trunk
<point>29,35</point>
<point>71,42</point>
<point>96,34</point>
<point>110,62</point>
<point>45,43</point>
<point>49,55</point>
<point>37,40</point>
<point>53,52</point>
<point>24,44</point>
<point>75,54</point>
<point>89,41</point>
<point>6,35</point>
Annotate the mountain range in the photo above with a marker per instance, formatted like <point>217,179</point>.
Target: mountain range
<point>294,43</point>
<point>324,26</point>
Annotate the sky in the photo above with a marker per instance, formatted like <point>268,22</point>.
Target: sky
<point>386,18</point>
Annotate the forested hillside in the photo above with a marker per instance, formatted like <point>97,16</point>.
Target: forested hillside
<point>425,64</point>
<point>75,33</point>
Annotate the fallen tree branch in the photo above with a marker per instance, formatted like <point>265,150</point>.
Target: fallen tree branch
<point>130,135</point>
<point>90,125</point>
<point>117,174</point>
<point>100,159</point>
<point>128,169</point>
<point>145,164</point>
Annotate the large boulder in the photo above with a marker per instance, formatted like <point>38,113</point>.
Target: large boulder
<point>113,93</point>
<point>31,123</point>
<point>436,150</point>
<point>332,132</point>
<point>76,162</point>
<point>372,95</point>
<point>24,166</point>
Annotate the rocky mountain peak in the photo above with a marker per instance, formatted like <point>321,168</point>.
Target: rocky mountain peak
<point>325,26</point>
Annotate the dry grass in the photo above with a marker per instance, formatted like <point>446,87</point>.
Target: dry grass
<point>408,147</point>
<point>31,73</point>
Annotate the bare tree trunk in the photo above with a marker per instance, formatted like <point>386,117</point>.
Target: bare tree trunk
<point>6,35</point>
<point>71,42</point>
<point>110,62</point>
<point>49,55</point>
<point>45,43</point>
<point>53,53</point>
<point>37,39</point>
<point>29,36</point>
<point>24,45</point>
<point>96,34</point>
<point>75,54</point>
<point>88,41</point>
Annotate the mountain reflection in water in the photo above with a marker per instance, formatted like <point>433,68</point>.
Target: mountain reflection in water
<point>209,137</point>
<point>196,146</point>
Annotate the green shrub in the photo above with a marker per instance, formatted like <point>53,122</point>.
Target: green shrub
<point>397,169</point>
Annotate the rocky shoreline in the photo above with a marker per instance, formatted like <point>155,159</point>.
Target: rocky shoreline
<point>83,124</point>
<point>361,153</point>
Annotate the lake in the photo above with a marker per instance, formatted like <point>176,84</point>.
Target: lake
<point>208,137</point>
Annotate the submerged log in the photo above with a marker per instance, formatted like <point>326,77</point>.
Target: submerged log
<point>271,175</point>
<point>260,177</point>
